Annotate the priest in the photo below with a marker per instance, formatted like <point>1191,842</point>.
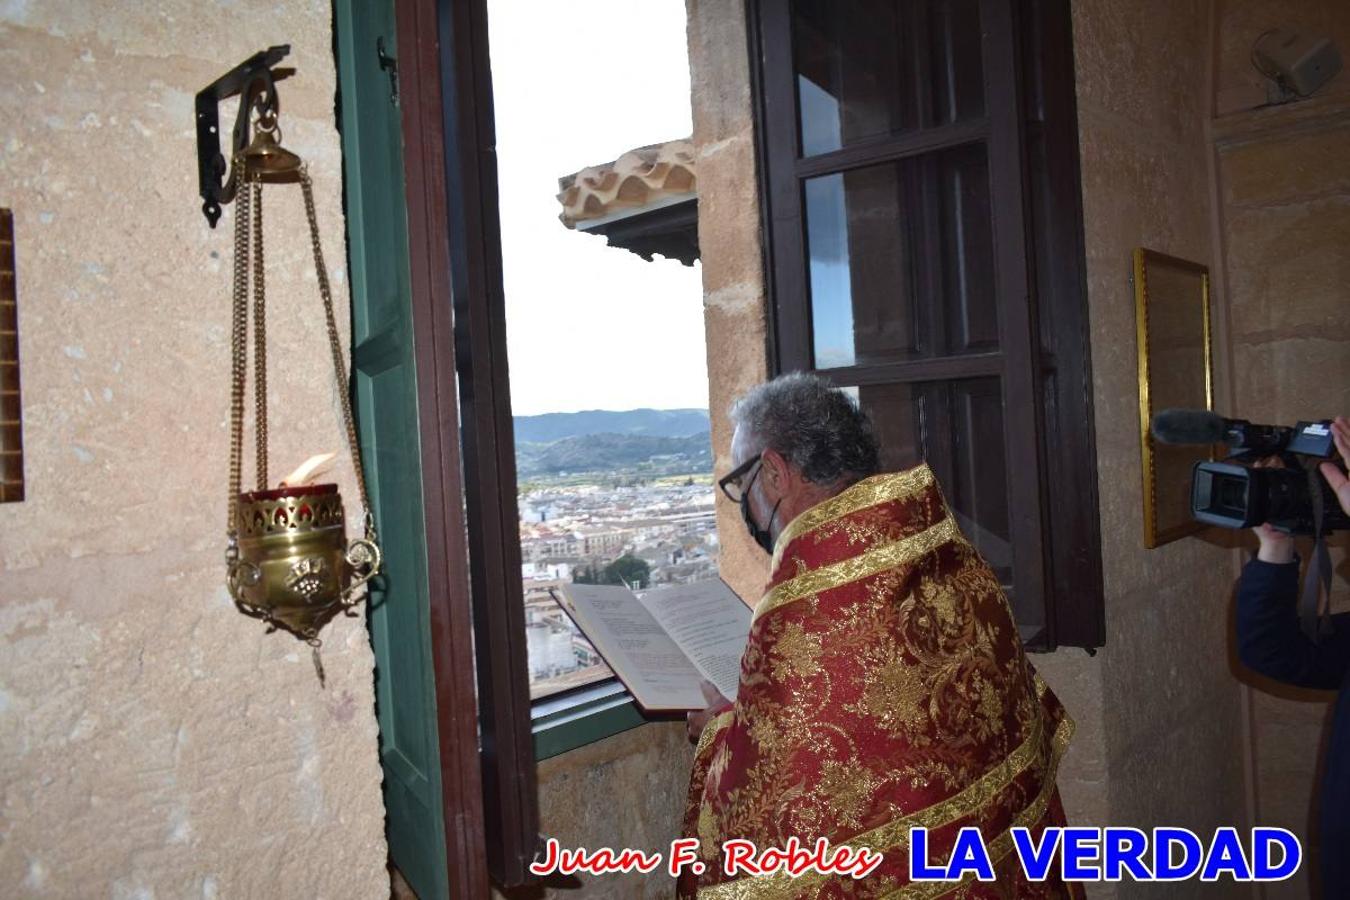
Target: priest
<point>884,686</point>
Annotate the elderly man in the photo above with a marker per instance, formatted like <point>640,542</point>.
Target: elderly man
<point>883,687</point>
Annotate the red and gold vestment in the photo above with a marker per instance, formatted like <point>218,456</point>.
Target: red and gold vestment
<point>883,687</point>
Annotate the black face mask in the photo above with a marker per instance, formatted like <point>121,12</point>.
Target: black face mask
<point>761,536</point>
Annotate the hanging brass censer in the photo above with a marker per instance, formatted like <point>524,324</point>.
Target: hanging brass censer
<point>287,559</point>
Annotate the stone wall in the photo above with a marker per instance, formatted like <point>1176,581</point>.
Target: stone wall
<point>1238,23</point>
<point>735,304</point>
<point>153,741</point>
<point>1284,213</point>
<point>625,791</point>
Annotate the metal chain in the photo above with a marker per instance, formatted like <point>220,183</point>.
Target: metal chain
<point>238,352</point>
<point>339,367</point>
<point>248,229</point>
<point>259,338</point>
<point>248,211</point>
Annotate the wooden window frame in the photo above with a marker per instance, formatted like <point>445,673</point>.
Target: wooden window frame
<point>449,106</point>
<point>1030,129</point>
<point>514,732</point>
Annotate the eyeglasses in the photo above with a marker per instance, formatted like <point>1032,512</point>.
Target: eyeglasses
<point>731,483</point>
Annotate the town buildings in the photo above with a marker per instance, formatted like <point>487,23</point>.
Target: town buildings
<point>669,524</point>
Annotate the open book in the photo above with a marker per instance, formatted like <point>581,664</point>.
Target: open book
<point>662,644</point>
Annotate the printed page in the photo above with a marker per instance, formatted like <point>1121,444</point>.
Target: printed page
<point>655,671</point>
<point>709,623</point>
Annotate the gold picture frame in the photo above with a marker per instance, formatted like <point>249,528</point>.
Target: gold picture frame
<point>1176,371</point>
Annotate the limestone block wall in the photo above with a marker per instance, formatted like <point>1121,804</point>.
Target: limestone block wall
<point>1284,214</point>
<point>1238,23</point>
<point>153,741</point>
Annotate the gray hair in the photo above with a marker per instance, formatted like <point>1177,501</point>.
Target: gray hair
<point>813,424</point>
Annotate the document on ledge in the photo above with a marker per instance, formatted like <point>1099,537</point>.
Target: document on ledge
<point>662,644</point>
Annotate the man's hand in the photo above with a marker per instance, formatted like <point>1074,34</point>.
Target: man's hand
<point>695,722</point>
<point>1340,433</point>
<point>1276,546</point>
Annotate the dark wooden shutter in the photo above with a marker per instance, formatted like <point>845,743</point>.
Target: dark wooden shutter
<point>510,801</point>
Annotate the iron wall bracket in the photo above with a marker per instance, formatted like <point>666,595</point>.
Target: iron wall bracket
<point>255,79</point>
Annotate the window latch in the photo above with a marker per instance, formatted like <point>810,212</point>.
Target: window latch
<point>388,64</point>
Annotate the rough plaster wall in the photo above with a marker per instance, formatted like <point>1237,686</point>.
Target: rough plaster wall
<point>153,741</point>
<point>1284,177</point>
<point>1238,85</point>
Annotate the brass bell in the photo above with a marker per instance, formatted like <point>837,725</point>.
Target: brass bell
<point>265,159</point>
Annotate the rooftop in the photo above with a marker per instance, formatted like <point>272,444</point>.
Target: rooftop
<point>646,201</point>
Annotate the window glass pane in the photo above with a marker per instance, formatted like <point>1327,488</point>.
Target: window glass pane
<point>900,260</point>
<point>957,428</point>
<point>871,68</point>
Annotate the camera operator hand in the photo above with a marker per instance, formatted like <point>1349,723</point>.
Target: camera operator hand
<point>1275,546</point>
<point>1340,433</point>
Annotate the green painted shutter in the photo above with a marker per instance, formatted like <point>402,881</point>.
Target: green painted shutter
<point>386,409</point>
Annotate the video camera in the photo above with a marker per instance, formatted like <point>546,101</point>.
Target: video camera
<point>1233,495</point>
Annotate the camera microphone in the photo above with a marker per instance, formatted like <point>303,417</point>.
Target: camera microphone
<point>1200,426</point>
<point>1189,426</point>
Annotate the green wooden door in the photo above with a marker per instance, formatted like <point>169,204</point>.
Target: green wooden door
<point>386,409</point>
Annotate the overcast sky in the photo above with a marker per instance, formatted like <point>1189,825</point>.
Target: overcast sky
<point>590,326</point>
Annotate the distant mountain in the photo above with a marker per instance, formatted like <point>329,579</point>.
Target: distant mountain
<point>630,453</point>
<point>670,423</point>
